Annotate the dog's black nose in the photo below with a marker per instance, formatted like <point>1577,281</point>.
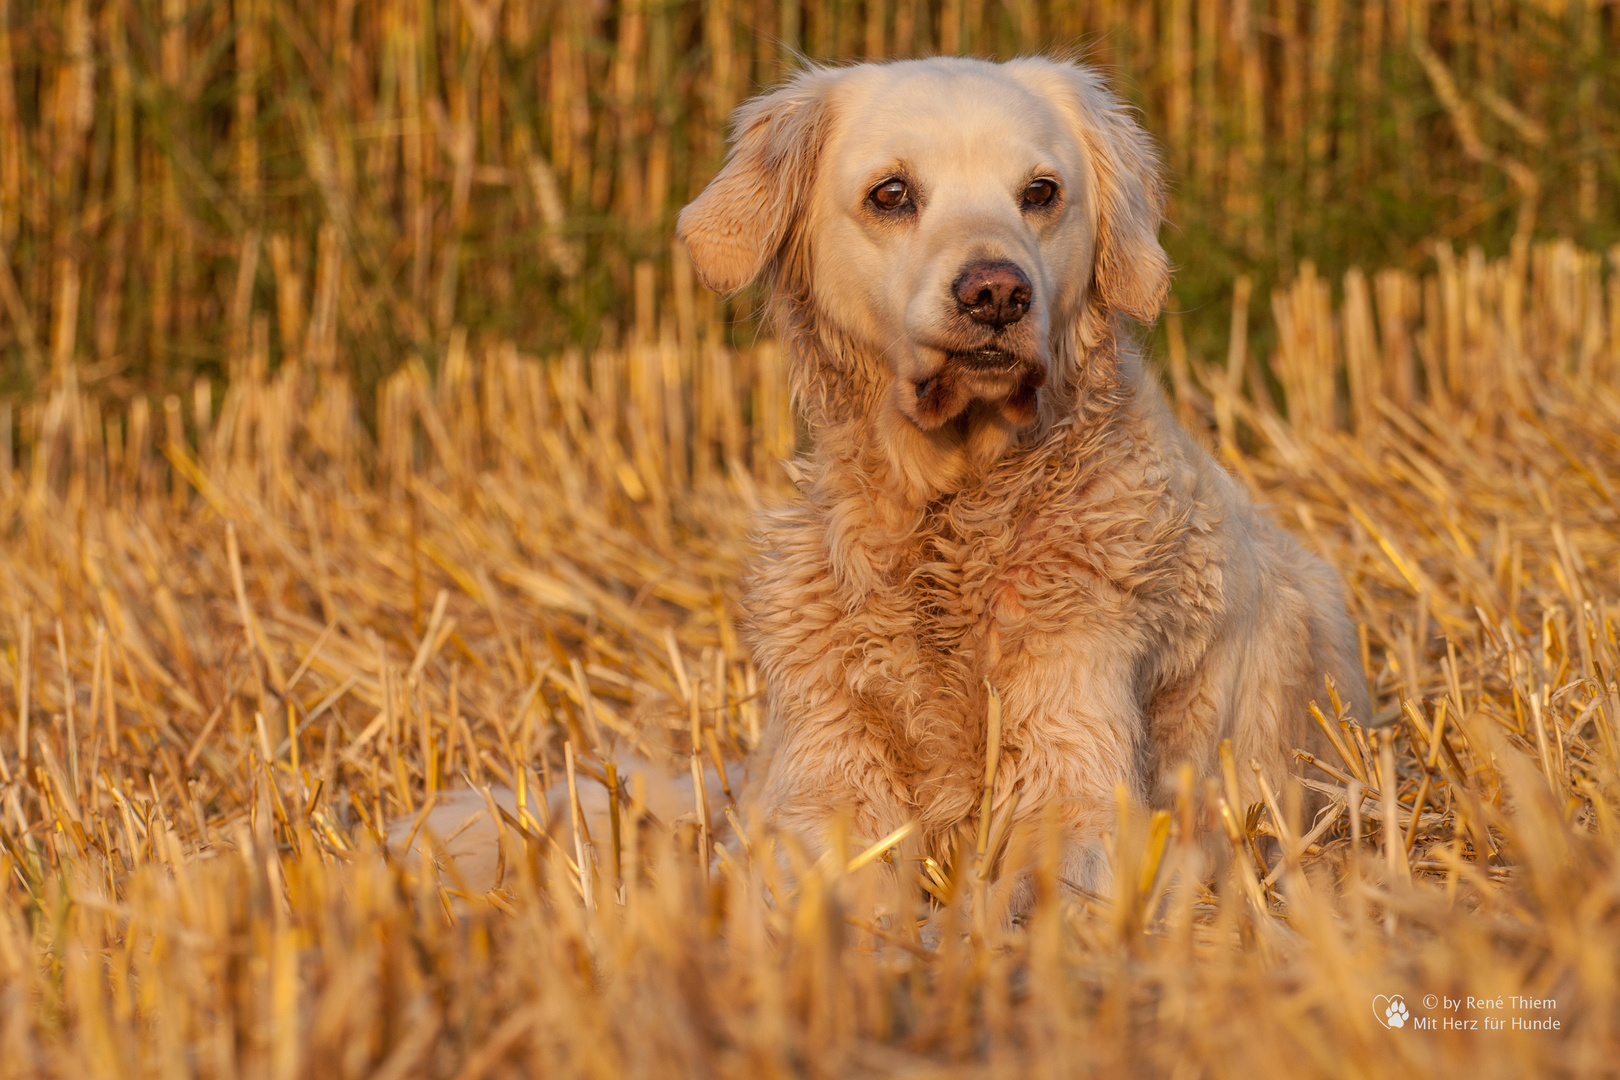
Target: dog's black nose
<point>994,293</point>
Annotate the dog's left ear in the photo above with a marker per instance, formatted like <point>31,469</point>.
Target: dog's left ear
<point>1131,272</point>
<point>741,223</point>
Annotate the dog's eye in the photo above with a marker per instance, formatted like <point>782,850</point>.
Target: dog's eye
<point>1040,193</point>
<point>889,195</point>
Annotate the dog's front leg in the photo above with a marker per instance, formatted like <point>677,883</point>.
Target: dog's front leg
<point>826,764</point>
<point>1075,729</point>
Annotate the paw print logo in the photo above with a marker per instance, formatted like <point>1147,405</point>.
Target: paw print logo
<point>1390,1011</point>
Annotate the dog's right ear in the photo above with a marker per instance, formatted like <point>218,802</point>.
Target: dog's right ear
<point>747,214</point>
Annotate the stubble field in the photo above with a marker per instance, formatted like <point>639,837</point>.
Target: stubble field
<point>301,534</point>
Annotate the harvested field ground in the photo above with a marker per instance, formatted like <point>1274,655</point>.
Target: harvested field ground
<point>236,640</point>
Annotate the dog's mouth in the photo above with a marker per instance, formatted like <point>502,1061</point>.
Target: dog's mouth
<point>1003,382</point>
<point>981,372</point>
<point>989,361</point>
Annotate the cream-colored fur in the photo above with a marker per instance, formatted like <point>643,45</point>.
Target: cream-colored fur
<point>461,837</point>
<point>1044,525</point>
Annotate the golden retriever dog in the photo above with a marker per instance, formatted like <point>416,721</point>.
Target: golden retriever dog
<point>995,492</point>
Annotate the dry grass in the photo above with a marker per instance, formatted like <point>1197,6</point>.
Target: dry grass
<point>170,167</point>
<point>368,549</point>
<point>492,584</point>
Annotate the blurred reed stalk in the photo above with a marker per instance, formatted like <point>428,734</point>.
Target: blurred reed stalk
<point>514,168</point>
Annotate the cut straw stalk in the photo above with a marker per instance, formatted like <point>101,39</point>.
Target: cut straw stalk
<point>582,838</point>
<point>1434,740</point>
<point>992,764</point>
<point>700,787</point>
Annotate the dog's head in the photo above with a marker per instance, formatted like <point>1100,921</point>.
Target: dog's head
<point>954,215</point>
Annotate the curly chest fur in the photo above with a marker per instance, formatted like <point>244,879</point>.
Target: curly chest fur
<point>899,624</point>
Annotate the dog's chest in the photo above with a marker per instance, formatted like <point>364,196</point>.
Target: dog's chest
<point>889,634</point>
<point>979,583</point>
